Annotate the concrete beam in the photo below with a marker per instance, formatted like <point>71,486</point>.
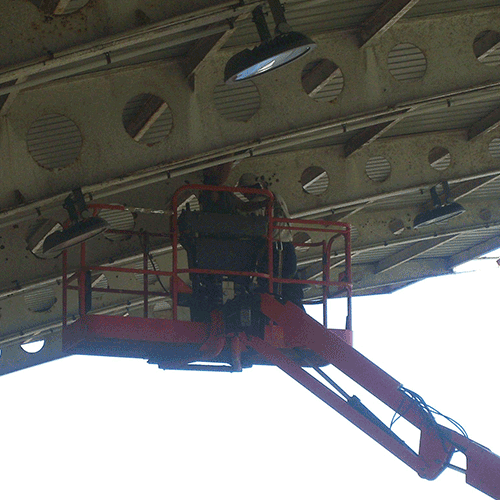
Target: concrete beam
<point>73,60</point>
<point>14,358</point>
<point>145,118</point>
<point>476,251</point>
<point>366,278</point>
<point>199,55</point>
<point>486,124</point>
<point>320,75</point>
<point>487,44</point>
<point>367,136</point>
<point>367,282</point>
<point>388,14</point>
<point>409,253</point>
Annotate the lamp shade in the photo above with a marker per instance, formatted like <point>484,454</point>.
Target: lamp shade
<point>81,231</point>
<point>268,56</point>
<point>438,214</point>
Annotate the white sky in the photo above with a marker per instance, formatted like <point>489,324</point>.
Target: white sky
<point>96,428</point>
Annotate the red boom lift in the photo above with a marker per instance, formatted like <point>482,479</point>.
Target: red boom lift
<point>256,327</point>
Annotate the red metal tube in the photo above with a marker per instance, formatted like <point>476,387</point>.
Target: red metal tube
<point>81,281</point>
<point>145,278</point>
<point>65,288</point>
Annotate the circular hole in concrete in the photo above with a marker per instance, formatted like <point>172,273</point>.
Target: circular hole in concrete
<point>61,8</point>
<point>439,158</point>
<point>396,226</point>
<point>407,62</point>
<point>378,168</point>
<point>190,203</point>
<point>237,102</point>
<point>300,239</point>
<point>494,148</point>
<point>486,47</point>
<point>152,266</point>
<point>485,214</point>
<point>322,80</point>
<point>120,220</point>
<point>37,234</point>
<point>54,141</point>
<point>147,118</point>
<point>40,300</point>
<point>314,180</point>
<point>33,347</point>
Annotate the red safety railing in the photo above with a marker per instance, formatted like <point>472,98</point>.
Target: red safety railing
<point>328,232</point>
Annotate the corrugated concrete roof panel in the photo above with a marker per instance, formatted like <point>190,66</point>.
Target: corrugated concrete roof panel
<point>445,117</point>
<point>462,242</point>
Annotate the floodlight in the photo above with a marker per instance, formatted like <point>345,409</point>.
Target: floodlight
<point>440,212</point>
<point>81,228</point>
<point>273,53</point>
<point>81,231</point>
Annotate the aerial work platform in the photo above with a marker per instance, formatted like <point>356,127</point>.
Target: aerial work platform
<point>253,325</point>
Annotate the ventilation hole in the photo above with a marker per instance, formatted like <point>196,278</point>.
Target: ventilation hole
<point>162,309</point>
<point>322,80</point>
<point>486,47</point>
<point>72,6</point>
<point>152,266</point>
<point>60,8</point>
<point>396,226</point>
<point>378,169</point>
<point>54,141</point>
<point>314,180</point>
<point>407,62</point>
<point>39,233</point>
<point>439,158</point>
<point>162,305</point>
<point>301,238</point>
<point>485,214</point>
<point>238,101</point>
<point>494,148</point>
<point>100,281</point>
<point>33,347</point>
<point>147,119</point>
<point>354,233</point>
<point>191,202</point>
<point>40,300</point>
<point>121,220</point>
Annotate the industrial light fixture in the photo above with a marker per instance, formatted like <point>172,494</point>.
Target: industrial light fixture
<point>441,211</point>
<point>81,228</point>
<point>272,53</point>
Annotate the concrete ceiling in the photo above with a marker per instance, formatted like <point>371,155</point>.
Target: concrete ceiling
<point>398,96</point>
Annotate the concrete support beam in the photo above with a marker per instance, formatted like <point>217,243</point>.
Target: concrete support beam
<point>486,124</point>
<point>316,79</point>
<point>367,282</point>
<point>487,44</point>
<point>410,253</point>
<point>465,188</point>
<point>367,136</point>
<point>474,252</point>
<point>14,358</point>
<point>389,13</point>
<point>152,109</point>
<point>198,56</point>
<point>6,100</point>
<point>160,35</point>
<point>368,279</point>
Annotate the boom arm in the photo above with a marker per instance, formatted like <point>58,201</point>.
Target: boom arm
<point>437,443</point>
